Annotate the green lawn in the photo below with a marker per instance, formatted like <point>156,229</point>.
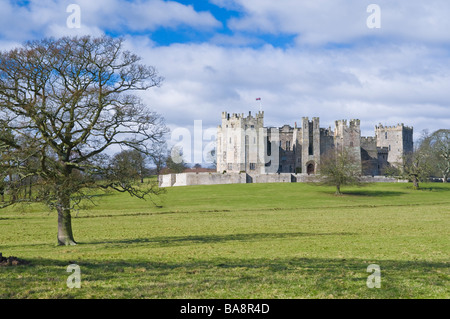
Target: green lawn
<point>288,240</point>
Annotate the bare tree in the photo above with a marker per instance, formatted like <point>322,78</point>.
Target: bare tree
<point>340,167</point>
<point>416,166</point>
<point>211,157</point>
<point>438,145</point>
<point>158,155</point>
<point>67,101</point>
<point>131,163</point>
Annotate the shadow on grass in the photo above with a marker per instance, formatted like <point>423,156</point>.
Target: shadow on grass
<point>224,277</point>
<point>434,188</point>
<point>206,239</point>
<point>373,193</point>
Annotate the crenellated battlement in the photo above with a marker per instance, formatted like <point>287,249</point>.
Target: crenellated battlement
<point>399,126</point>
<point>368,139</point>
<point>237,116</point>
<point>352,123</point>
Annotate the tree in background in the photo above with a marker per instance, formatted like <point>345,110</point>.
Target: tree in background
<point>438,145</point>
<point>340,167</point>
<point>174,161</point>
<point>158,155</point>
<point>211,157</point>
<point>131,163</point>
<point>416,166</point>
<point>65,102</point>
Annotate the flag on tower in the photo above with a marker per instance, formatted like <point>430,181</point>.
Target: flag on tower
<point>258,99</point>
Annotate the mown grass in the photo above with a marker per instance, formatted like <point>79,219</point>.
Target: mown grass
<point>238,241</point>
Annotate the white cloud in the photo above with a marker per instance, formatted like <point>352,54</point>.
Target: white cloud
<point>389,85</point>
<point>402,80</point>
<point>49,17</point>
<point>341,21</point>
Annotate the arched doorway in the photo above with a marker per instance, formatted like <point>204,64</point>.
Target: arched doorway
<point>310,168</point>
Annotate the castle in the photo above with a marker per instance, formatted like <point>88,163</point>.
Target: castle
<point>248,152</point>
<point>245,145</point>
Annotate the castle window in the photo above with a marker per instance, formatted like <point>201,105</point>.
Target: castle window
<point>385,135</point>
<point>269,147</point>
<point>230,140</point>
<point>389,148</point>
<point>254,140</point>
<point>288,145</point>
<point>252,166</point>
<point>230,166</point>
<point>252,126</point>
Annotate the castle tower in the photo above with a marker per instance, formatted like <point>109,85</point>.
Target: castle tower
<point>310,145</point>
<point>239,143</point>
<point>349,137</point>
<point>398,140</point>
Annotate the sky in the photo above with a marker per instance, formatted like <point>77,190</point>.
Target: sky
<point>333,59</point>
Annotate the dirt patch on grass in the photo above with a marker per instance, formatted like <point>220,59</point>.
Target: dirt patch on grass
<point>11,261</point>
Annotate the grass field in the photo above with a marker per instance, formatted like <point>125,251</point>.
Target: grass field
<point>288,240</point>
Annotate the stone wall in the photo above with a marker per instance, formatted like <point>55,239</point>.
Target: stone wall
<point>188,179</point>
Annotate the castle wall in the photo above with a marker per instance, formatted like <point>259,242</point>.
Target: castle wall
<point>271,178</point>
<point>369,156</point>
<point>189,179</point>
<point>287,149</point>
<point>382,159</point>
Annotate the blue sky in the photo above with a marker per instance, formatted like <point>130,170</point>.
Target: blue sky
<point>302,58</point>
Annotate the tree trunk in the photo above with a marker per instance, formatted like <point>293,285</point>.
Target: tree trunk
<point>65,235</point>
<point>415,183</point>
<point>338,190</point>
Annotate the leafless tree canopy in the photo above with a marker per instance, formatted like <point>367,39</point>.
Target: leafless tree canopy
<point>339,167</point>
<point>63,103</point>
